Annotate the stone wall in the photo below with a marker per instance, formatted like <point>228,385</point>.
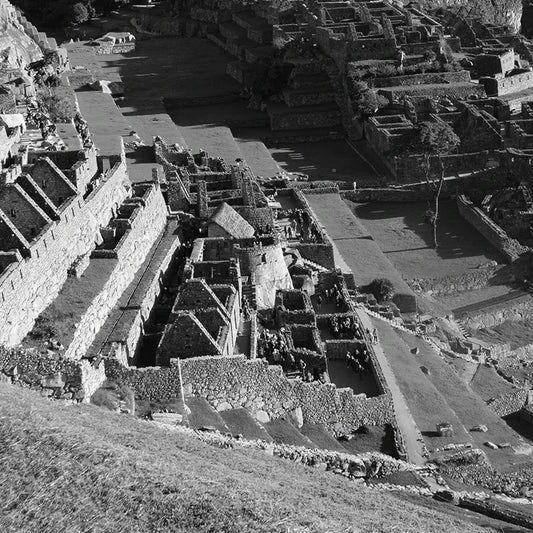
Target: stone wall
<point>51,373</point>
<point>147,226</point>
<point>509,404</point>
<point>517,311</point>
<point>510,248</point>
<point>388,195</point>
<point>421,79</point>
<point>510,84</point>
<point>29,286</point>
<point>234,382</point>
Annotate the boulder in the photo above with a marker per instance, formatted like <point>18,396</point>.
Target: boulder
<point>481,427</point>
<point>491,445</point>
<point>445,429</point>
<point>224,406</point>
<point>167,418</point>
<point>262,417</point>
<point>52,381</point>
<point>297,417</point>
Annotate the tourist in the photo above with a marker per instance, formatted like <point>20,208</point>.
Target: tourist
<point>375,336</point>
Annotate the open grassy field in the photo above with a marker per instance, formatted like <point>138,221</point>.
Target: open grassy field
<point>79,469</point>
<point>407,241</point>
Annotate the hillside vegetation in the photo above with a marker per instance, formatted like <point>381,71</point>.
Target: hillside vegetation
<point>78,468</point>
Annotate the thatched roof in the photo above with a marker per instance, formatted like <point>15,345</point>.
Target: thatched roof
<point>231,222</point>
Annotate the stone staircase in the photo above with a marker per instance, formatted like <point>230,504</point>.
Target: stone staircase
<point>248,290</point>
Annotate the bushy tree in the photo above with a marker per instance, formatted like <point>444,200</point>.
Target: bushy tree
<point>80,13</point>
<point>57,104</point>
<point>382,289</point>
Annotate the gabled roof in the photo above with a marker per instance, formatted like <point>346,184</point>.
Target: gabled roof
<point>231,222</point>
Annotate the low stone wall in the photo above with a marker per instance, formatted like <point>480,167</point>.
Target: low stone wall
<point>234,382</point>
<point>388,195</point>
<point>53,374</point>
<point>149,225</point>
<point>467,281</point>
<point>510,248</point>
<point>507,312</point>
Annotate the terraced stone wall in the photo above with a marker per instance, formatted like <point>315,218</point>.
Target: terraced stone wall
<point>234,382</point>
<point>28,286</point>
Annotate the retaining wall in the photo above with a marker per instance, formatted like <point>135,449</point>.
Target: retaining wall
<point>510,248</point>
<point>29,286</point>
<point>149,223</point>
<point>234,382</point>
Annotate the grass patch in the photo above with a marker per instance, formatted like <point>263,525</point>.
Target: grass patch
<point>80,468</point>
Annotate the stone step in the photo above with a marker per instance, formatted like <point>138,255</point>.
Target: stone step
<point>241,422</point>
<point>203,416</point>
<point>283,432</point>
<point>321,437</point>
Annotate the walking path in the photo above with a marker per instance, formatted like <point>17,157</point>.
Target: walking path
<point>411,434</point>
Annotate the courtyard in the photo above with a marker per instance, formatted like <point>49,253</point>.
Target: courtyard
<point>407,240</point>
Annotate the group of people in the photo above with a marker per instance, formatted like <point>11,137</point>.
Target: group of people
<point>330,294</point>
<point>36,115</point>
<point>358,360</point>
<point>82,129</point>
<point>273,347</point>
<point>264,230</point>
<point>345,327</point>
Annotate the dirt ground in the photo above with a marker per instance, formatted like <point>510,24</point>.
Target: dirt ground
<point>407,241</point>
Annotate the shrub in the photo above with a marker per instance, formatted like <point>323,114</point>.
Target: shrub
<point>57,103</point>
<point>382,289</point>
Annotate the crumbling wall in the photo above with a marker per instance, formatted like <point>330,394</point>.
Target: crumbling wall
<point>28,287</point>
<point>53,374</point>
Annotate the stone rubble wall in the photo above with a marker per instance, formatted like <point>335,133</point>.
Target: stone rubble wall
<point>507,246</point>
<point>28,287</point>
<point>51,373</point>
<point>149,224</point>
<point>234,382</point>
<point>508,312</point>
<point>510,403</point>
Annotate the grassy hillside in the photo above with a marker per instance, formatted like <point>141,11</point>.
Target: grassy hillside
<point>82,469</point>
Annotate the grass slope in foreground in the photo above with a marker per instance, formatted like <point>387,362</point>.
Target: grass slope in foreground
<point>82,469</point>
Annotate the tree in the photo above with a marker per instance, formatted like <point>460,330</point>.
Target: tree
<point>79,13</point>
<point>382,289</point>
<point>57,103</point>
<point>435,139</point>
<point>366,102</point>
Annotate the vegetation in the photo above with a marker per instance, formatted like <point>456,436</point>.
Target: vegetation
<point>382,289</point>
<point>57,103</point>
<point>80,468</point>
<point>63,12</point>
<point>434,139</point>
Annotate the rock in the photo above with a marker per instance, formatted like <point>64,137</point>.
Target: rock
<point>262,417</point>
<point>52,381</point>
<point>491,445</point>
<point>445,429</point>
<point>167,418</point>
<point>357,469</point>
<point>504,445</point>
<point>297,417</point>
<point>223,406</point>
<point>415,350</point>
<point>481,427</point>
